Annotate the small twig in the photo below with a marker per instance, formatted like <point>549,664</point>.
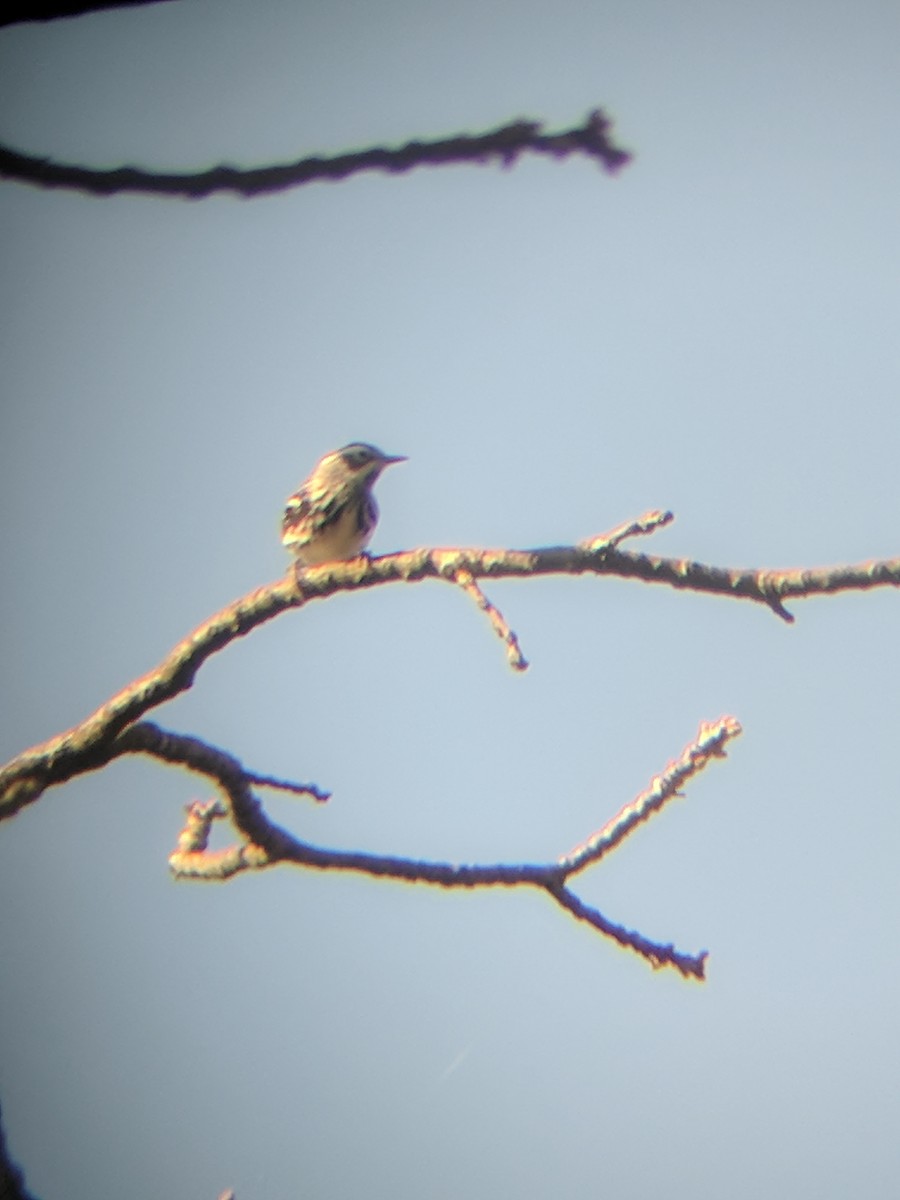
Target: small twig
<point>194,837</point>
<point>710,742</point>
<point>648,523</point>
<point>504,144</point>
<point>691,966</point>
<point>286,785</point>
<point>192,858</point>
<point>769,596</point>
<point>514,655</point>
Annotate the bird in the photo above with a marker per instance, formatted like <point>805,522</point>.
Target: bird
<point>332,515</point>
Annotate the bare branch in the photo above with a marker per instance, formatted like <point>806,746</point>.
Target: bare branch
<point>12,1178</point>
<point>267,844</point>
<point>287,785</point>
<point>692,966</point>
<point>648,523</point>
<point>192,858</point>
<point>504,145</point>
<point>710,743</point>
<point>514,654</point>
<point>15,12</point>
<point>87,745</point>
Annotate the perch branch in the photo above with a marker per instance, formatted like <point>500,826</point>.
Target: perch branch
<point>505,145</point>
<point>86,746</point>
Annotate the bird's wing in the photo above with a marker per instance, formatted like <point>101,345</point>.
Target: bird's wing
<point>307,513</point>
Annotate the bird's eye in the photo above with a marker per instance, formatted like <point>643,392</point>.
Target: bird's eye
<point>357,456</point>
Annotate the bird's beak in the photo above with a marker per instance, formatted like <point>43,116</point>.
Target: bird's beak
<point>392,458</point>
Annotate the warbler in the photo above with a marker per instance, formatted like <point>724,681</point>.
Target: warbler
<point>332,515</point>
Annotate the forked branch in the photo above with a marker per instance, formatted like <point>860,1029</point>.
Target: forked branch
<point>116,728</point>
<point>265,844</point>
<point>89,745</point>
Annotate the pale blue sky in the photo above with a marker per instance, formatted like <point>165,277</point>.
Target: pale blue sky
<point>713,331</point>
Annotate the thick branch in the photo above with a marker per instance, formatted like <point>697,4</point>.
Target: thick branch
<point>12,1179</point>
<point>503,145</point>
<point>80,749</point>
<point>48,10</point>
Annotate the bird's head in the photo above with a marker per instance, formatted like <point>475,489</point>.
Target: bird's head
<point>365,462</point>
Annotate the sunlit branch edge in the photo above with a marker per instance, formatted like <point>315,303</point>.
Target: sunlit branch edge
<point>266,844</point>
<point>81,748</point>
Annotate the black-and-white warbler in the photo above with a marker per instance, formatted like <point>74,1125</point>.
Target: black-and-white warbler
<point>333,514</point>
